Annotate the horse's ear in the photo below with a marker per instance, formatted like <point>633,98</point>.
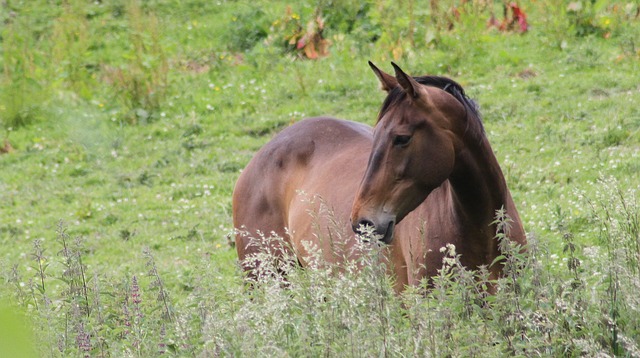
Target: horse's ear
<point>387,82</point>
<point>407,82</point>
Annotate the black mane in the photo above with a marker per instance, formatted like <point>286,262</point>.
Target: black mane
<point>448,85</point>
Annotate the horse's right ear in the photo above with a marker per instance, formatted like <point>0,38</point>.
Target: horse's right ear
<point>387,82</point>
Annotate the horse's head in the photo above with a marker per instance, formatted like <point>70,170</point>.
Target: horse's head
<point>414,150</point>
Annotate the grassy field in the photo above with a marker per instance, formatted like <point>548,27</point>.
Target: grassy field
<point>127,123</point>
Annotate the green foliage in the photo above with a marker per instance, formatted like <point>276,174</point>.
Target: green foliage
<point>248,28</point>
<point>71,37</point>
<point>23,90</point>
<point>144,262</point>
<point>585,17</point>
<point>141,83</point>
<point>345,17</point>
<point>128,45</point>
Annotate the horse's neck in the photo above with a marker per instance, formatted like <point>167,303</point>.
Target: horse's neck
<point>477,183</point>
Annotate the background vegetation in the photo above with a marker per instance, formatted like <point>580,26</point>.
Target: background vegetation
<point>125,123</point>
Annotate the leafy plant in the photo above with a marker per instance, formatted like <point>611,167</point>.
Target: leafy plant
<point>248,27</point>
<point>306,41</point>
<point>586,17</point>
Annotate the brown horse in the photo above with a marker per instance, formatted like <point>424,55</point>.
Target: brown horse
<point>423,178</point>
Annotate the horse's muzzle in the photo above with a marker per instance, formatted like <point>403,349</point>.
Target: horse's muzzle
<point>368,229</point>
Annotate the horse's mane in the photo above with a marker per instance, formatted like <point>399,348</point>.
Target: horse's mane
<point>474,121</point>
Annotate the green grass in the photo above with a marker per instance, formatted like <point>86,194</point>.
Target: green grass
<point>133,173</point>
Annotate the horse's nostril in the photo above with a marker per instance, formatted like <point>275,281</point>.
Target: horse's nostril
<point>362,225</point>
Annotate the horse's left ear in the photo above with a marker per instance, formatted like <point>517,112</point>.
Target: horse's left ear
<point>387,82</point>
<point>407,82</point>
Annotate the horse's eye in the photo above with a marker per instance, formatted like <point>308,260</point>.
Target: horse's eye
<point>401,140</point>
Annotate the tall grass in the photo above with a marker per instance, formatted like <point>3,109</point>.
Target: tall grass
<point>72,39</point>
<point>618,214</point>
<point>64,53</point>
<point>23,86</point>
<point>587,306</point>
<point>140,83</point>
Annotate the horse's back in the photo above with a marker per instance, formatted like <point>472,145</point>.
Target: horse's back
<point>308,161</point>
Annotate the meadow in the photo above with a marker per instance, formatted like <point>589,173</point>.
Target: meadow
<point>124,125</point>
